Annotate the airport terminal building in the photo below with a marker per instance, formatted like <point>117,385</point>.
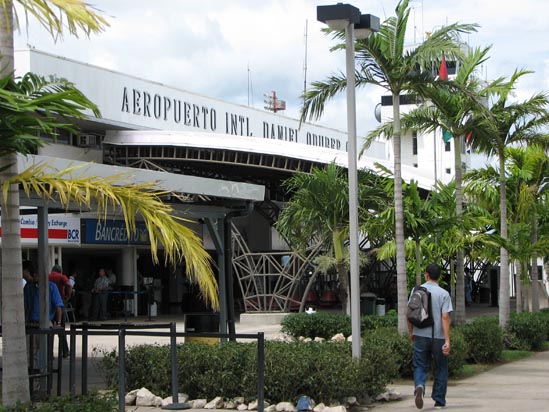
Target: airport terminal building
<point>223,157</point>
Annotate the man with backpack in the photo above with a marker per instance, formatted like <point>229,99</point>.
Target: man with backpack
<point>429,311</point>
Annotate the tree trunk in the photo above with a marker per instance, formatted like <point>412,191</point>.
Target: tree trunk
<point>460,254</point>
<point>343,286</point>
<point>402,286</point>
<point>15,379</point>
<point>419,277</point>
<point>518,286</point>
<point>342,274</point>
<point>534,266</point>
<point>504,300</point>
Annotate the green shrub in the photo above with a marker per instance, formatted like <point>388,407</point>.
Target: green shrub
<point>484,338</point>
<point>544,315</point>
<point>399,345</point>
<point>85,403</point>
<point>526,329</point>
<point>458,352</point>
<point>370,322</point>
<point>325,371</point>
<point>324,325</point>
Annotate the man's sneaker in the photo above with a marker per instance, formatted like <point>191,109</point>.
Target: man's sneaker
<point>418,393</point>
<point>438,405</point>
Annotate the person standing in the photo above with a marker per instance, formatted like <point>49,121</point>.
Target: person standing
<point>111,276</point>
<point>32,307</point>
<point>100,291</point>
<point>65,291</point>
<point>429,342</point>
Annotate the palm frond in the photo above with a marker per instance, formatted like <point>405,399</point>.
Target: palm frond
<point>57,16</point>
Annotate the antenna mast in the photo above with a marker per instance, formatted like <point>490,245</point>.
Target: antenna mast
<point>305,61</point>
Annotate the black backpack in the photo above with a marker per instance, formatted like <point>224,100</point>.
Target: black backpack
<point>419,311</point>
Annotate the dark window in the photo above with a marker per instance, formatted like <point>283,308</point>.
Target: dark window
<point>447,146</point>
<point>448,170</point>
<point>414,143</point>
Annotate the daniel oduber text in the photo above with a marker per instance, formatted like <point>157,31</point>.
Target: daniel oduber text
<point>289,134</point>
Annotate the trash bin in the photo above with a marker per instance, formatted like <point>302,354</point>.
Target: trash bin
<point>380,306</point>
<point>202,322</point>
<point>367,303</point>
<point>153,310</point>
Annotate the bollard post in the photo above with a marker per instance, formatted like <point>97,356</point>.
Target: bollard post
<point>121,369</point>
<point>260,370</point>
<point>61,334</point>
<point>85,358</point>
<point>72,362</point>
<point>175,405</point>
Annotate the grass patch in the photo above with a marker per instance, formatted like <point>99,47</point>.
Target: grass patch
<point>515,355</point>
<point>469,370</point>
<point>507,356</point>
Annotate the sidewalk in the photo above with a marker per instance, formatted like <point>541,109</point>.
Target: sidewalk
<point>513,387</point>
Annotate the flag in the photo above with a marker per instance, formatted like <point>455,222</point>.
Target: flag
<point>446,135</point>
<point>443,70</point>
<point>468,141</point>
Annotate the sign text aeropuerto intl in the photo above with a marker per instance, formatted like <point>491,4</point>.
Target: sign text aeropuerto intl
<point>223,118</point>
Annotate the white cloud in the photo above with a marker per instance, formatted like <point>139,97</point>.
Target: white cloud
<point>206,46</point>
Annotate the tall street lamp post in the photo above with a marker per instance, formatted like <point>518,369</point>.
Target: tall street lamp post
<point>347,17</point>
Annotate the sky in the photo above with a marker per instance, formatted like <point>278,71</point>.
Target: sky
<point>241,50</point>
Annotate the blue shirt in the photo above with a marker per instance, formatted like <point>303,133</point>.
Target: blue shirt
<point>440,303</point>
<point>31,300</point>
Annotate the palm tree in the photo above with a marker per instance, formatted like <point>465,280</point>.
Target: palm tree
<point>451,109</point>
<point>510,123</point>
<point>525,170</point>
<point>384,61</point>
<point>32,105</point>
<point>529,166</point>
<point>319,211</point>
<point>73,15</point>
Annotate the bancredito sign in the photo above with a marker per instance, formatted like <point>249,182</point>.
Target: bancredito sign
<point>62,229</point>
<point>113,232</point>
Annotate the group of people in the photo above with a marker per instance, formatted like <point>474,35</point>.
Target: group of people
<point>60,290</point>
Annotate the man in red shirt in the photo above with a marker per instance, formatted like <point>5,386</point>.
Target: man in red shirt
<point>65,290</point>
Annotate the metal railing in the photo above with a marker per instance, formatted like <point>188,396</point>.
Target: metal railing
<point>85,330</point>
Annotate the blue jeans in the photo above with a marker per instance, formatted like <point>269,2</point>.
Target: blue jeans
<point>423,349</point>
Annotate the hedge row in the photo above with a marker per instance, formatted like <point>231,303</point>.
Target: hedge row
<point>83,403</point>
<point>326,325</point>
<point>484,338</point>
<point>292,369</point>
<point>326,370</point>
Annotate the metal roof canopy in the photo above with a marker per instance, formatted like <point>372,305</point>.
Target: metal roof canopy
<point>257,146</point>
<point>178,183</point>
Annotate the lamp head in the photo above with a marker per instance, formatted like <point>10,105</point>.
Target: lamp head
<point>338,16</point>
<point>368,24</point>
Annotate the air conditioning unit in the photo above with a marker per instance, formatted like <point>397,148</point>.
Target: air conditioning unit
<point>87,140</point>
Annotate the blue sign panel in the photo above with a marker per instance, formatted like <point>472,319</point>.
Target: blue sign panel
<point>113,232</point>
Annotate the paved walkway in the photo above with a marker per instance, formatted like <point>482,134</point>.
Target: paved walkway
<point>513,387</point>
